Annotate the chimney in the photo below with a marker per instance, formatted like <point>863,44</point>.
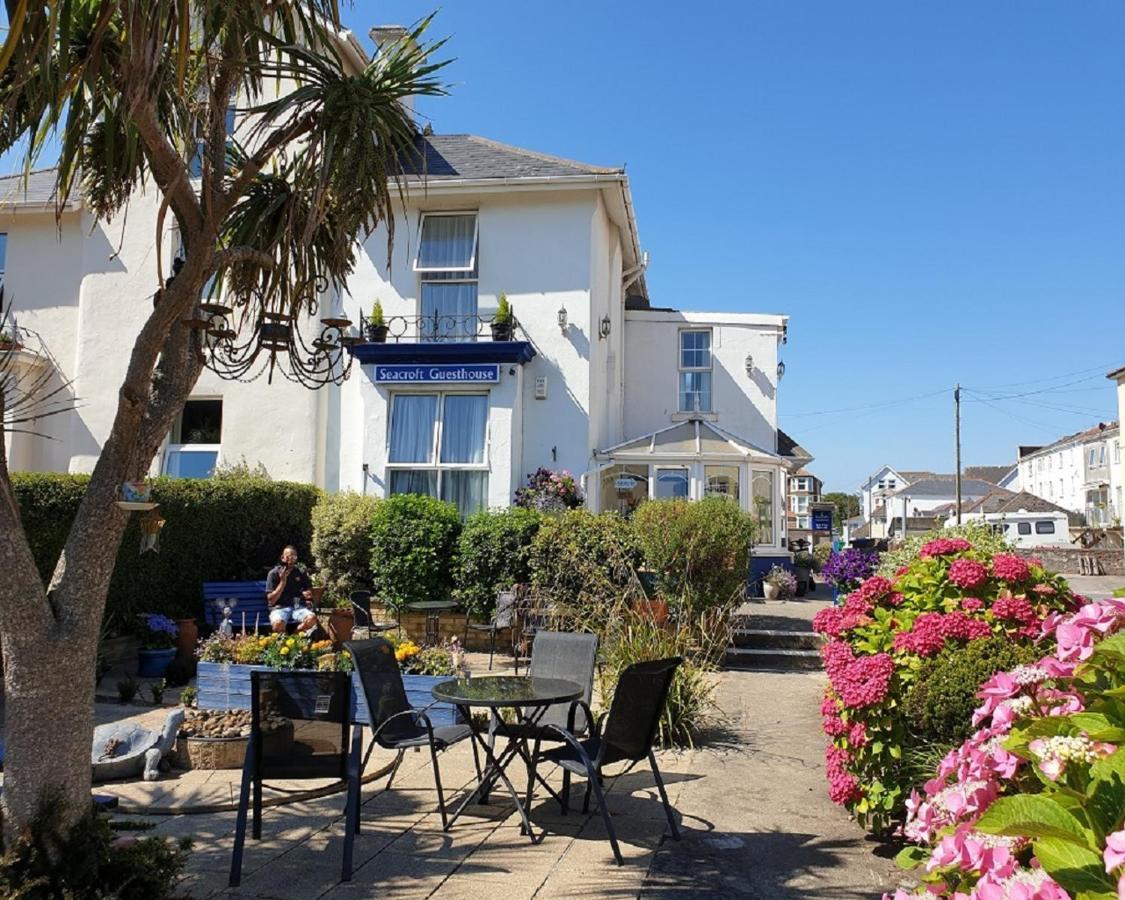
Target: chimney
<point>384,36</point>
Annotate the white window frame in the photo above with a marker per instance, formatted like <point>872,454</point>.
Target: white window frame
<point>436,465</point>
<point>654,477</point>
<point>446,214</point>
<point>797,506</point>
<point>189,448</point>
<point>804,523</point>
<point>3,256</point>
<point>709,368</point>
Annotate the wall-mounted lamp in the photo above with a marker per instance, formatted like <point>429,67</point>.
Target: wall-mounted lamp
<point>780,370</point>
<point>750,364</point>
<point>604,326</point>
<point>562,319</point>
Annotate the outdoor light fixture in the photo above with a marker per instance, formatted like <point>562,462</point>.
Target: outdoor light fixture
<point>604,326</point>
<point>750,364</point>
<point>780,370</point>
<point>275,333</point>
<point>562,319</point>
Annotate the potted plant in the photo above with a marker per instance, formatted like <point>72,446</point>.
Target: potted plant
<point>341,621</point>
<point>158,646</point>
<point>503,322</point>
<point>8,341</point>
<point>805,564</point>
<point>779,584</point>
<point>376,326</point>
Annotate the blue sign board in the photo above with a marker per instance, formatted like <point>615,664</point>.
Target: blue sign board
<point>438,373</point>
<point>822,520</point>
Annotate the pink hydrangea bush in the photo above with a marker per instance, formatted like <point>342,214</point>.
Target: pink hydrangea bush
<point>1033,804</point>
<point>878,638</point>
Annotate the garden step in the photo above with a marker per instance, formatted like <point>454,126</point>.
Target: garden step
<point>773,638</point>
<point>772,658</point>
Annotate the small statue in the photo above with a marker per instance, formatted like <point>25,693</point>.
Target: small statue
<point>226,627</point>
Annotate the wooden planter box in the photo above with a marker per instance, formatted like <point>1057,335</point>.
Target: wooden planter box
<point>227,686</point>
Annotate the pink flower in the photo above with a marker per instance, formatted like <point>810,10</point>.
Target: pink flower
<point>968,574</point>
<point>1017,609</point>
<point>971,604</point>
<point>993,692</point>
<point>1010,568</point>
<point>858,681</point>
<point>1075,634</point>
<point>1018,884</point>
<point>944,547</point>
<point>1114,854</point>
<point>857,735</point>
<point>829,621</point>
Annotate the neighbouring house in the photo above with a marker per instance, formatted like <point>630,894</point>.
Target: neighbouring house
<point>1080,472</point>
<point>804,491</point>
<point>638,401</point>
<point>1024,519</point>
<point>1006,477</point>
<point>1118,458</point>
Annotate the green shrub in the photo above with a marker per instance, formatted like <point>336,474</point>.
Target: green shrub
<point>698,549</point>
<point>341,542</point>
<point>494,553</point>
<point>939,706</point>
<point>413,549</point>
<point>85,862</point>
<point>981,536</point>
<point>583,564</point>
<point>215,530</point>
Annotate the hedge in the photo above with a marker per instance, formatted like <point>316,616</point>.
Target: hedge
<point>215,530</point>
<point>493,554</point>
<point>413,549</point>
<point>341,542</point>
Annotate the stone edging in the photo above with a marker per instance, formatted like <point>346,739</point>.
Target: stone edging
<point>207,808</point>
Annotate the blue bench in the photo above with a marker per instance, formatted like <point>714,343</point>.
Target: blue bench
<point>249,598</point>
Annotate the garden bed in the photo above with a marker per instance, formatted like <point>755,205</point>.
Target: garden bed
<point>227,686</point>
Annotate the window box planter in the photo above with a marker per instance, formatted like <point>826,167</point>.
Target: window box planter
<point>502,331</point>
<point>227,686</point>
<point>376,334</point>
<point>153,663</point>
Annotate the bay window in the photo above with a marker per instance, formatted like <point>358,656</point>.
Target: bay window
<point>695,370</point>
<point>721,481</point>
<point>448,267</point>
<point>438,447</point>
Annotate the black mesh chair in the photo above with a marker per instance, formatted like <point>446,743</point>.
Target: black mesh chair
<point>628,735</point>
<point>361,610</point>
<point>300,728</point>
<point>504,616</point>
<point>395,724</point>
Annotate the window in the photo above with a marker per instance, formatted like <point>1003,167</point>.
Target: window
<point>882,484</point>
<point>1116,444</point>
<point>195,164</point>
<point>761,493</point>
<point>891,484</point>
<point>624,488</point>
<point>695,371</point>
<point>3,254</point>
<point>1023,527</point>
<point>721,481</point>
<point>671,482</point>
<point>447,259</point>
<point>799,504</point>
<point>1044,527</point>
<point>438,446</point>
<point>193,446</point>
<point>1093,455</point>
<point>802,523</point>
<point>799,484</point>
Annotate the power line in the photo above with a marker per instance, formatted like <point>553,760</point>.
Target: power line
<point>883,405</point>
<point>1099,369</point>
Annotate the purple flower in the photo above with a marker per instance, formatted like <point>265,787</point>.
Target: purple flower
<point>848,569</point>
<point>161,624</point>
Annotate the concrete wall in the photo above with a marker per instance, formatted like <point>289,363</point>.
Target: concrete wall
<point>1067,560</point>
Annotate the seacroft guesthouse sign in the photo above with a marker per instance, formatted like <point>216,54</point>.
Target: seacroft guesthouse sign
<point>451,373</point>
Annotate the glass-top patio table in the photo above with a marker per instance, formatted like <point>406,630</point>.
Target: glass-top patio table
<point>433,610</point>
<point>529,697</point>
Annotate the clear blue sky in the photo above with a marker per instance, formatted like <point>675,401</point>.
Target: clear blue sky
<point>932,191</point>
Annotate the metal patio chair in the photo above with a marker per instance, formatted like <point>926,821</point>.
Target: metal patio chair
<point>504,616</point>
<point>310,736</point>
<point>395,724</point>
<point>628,735</point>
<point>361,609</point>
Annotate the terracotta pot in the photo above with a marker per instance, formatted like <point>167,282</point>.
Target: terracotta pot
<point>187,638</point>
<point>317,593</point>
<point>657,610</point>
<point>340,624</point>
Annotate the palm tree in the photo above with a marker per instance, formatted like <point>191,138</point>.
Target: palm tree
<point>134,89</point>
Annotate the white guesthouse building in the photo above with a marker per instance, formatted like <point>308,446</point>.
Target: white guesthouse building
<point>638,401</point>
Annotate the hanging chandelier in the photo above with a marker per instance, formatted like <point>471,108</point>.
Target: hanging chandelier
<point>274,343</point>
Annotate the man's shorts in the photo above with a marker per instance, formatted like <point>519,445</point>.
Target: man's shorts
<point>287,614</point>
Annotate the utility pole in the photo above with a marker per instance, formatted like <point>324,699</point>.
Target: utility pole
<point>957,432</point>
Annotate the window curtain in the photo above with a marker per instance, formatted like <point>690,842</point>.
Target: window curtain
<point>463,428</point>
<point>413,481</point>
<point>412,428</point>
<point>447,242</point>
<point>449,311</point>
<point>468,490</point>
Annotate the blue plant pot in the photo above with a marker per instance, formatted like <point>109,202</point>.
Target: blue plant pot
<point>154,663</point>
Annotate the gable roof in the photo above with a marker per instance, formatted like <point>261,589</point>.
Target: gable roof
<point>441,157</point>
<point>918,475</point>
<point>38,189</point>
<point>1002,501</point>
<point>993,474</point>
<point>942,486</point>
<point>1102,429</point>
<point>789,449</point>
<point>691,439</point>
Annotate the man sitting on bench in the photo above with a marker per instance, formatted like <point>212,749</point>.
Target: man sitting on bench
<point>287,589</point>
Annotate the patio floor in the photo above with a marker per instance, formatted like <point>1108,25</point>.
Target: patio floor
<point>752,806</point>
